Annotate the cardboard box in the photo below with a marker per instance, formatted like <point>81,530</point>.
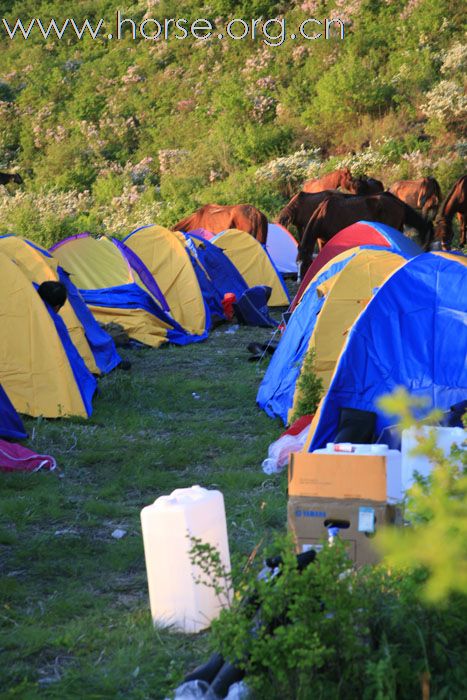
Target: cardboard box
<point>308,520</point>
<point>336,476</point>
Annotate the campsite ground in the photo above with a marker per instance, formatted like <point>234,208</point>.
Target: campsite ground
<point>74,616</point>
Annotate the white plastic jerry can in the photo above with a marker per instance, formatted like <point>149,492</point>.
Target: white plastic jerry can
<point>180,593</point>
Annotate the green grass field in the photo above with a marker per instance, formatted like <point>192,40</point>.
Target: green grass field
<point>74,615</point>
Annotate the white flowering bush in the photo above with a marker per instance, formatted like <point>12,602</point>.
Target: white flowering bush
<point>419,164</point>
<point>45,217</point>
<point>368,160</point>
<point>454,59</point>
<point>446,103</point>
<point>293,169</point>
<point>135,207</point>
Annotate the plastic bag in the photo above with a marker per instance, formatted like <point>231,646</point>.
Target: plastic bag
<point>279,451</point>
<point>191,690</point>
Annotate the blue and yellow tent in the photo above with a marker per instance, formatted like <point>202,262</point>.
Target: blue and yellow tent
<point>222,272</point>
<point>115,291</point>
<point>253,263</point>
<point>413,334</point>
<point>321,321</point>
<point>41,370</point>
<point>95,346</point>
<point>166,256</point>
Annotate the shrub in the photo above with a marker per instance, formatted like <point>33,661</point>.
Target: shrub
<point>309,389</point>
<point>331,632</point>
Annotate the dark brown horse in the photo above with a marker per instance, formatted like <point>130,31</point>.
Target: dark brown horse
<point>301,207</point>
<point>217,218</point>
<point>5,178</point>
<point>454,204</point>
<point>339,178</point>
<point>423,194</point>
<point>336,213</point>
<point>366,185</point>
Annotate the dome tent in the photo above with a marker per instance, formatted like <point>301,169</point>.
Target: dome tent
<point>412,334</point>
<point>321,321</point>
<point>363,233</point>
<point>165,255</point>
<point>11,426</point>
<point>253,263</point>
<point>40,369</point>
<point>115,292</point>
<point>95,346</point>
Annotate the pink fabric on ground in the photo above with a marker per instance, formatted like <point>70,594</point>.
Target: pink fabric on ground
<point>14,457</point>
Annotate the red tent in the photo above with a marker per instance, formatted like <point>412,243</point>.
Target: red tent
<point>362,233</point>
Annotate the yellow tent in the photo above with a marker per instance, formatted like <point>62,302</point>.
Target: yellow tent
<point>35,370</point>
<point>112,290</point>
<point>253,263</point>
<point>39,267</point>
<point>165,255</point>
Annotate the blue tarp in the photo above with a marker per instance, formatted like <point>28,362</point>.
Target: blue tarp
<point>413,334</point>
<point>131,296</point>
<point>11,425</point>
<point>252,307</point>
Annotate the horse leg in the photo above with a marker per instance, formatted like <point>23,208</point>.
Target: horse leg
<point>462,219</point>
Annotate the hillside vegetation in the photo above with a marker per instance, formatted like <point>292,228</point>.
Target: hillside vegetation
<point>109,135</point>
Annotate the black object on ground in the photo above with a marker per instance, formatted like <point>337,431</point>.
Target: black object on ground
<point>356,426</point>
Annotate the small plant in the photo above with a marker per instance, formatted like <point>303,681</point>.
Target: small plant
<point>309,389</point>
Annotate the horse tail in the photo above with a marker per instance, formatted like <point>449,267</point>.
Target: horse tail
<point>310,237</point>
<point>262,233</point>
<point>183,225</point>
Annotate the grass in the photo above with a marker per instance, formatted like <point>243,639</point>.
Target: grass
<point>74,612</point>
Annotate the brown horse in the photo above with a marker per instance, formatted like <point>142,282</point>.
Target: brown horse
<point>217,218</point>
<point>5,178</point>
<point>336,213</point>
<point>339,178</point>
<point>454,204</point>
<point>301,207</point>
<point>423,194</point>
<point>366,185</point>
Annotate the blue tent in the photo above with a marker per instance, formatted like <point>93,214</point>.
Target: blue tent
<point>413,334</point>
<point>11,426</point>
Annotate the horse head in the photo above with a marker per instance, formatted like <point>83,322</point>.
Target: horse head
<point>286,215</point>
<point>358,186</point>
<point>443,233</point>
<point>346,180</point>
